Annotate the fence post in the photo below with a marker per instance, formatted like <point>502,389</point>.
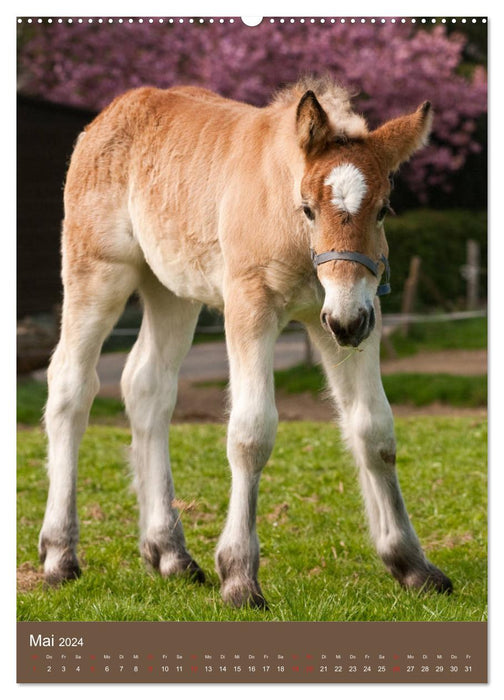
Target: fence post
<point>409,293</point>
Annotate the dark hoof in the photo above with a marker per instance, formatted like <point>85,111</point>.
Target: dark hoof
<point>170,563</point>
<point>174,566</point>
<point>240,594</point>
<point>60,563</point>
<point>432,580</point>
<point>63,574</point>
<point>426,579</point>
<point>194,572</point>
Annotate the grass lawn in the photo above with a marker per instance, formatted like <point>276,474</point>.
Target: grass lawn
<point>403,388</point>
<point>467,334</point>
<point>317,561</point>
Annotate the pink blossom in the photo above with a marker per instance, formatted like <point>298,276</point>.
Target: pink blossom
<point>392,67</point>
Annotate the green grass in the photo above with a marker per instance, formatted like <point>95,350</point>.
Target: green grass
<point>425,389</point>
<point>404,388</point>
<point>32,396</point>
<point>467,334</point>
<point>317,561</point>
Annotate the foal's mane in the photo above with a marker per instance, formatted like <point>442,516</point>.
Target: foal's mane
<point>335,99</point>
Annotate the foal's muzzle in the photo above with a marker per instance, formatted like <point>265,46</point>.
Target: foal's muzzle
<point>353,332</point>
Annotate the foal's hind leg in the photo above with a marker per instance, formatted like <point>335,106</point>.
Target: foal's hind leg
<point>367,425</point>
<point>94,298</point>
<point>149,386</point>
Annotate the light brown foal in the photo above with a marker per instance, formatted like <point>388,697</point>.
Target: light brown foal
<point>270,215</point>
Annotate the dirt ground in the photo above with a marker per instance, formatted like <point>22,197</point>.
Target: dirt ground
<point>209,404</point>
<point>462,362</point>
<point>200,403</point>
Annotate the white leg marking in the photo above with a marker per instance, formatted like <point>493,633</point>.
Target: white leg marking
<point>367,427</point>
<point>251,435</point>
<point>149,386</point>
<point>73,384</point>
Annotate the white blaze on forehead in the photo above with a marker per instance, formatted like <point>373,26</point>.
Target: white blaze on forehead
<point>348,187</point>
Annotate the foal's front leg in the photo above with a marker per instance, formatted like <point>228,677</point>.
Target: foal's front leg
<point>252,428</point>
<point>367,426</point>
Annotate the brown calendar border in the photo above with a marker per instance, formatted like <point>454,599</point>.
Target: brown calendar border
<point>252,652</point>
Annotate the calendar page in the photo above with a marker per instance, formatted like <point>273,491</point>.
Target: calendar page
<point>252,303</point>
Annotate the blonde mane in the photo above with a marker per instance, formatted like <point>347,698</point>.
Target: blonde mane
<point>336,101</point>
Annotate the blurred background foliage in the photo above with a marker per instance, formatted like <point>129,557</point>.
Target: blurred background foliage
<point>391,68</point>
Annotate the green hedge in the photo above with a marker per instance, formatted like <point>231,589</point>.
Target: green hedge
<point>440,239</point>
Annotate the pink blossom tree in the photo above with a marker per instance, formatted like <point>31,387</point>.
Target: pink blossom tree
<point>392,67</point>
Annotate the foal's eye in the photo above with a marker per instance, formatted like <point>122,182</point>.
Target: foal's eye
<point>308,213</point>
<point>386,209</point>
<point>382,214</point>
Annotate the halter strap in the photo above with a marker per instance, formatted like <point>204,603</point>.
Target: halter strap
<point>371,265</point>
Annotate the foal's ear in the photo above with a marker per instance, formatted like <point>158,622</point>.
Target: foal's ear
<point>399,138</point>
<point>312,125</point>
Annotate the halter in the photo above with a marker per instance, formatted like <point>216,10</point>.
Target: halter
<point>358,258</point>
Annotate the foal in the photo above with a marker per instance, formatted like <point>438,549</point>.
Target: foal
<point>270,215</point>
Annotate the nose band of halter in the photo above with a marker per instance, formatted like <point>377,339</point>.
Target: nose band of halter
<point>371,265</point>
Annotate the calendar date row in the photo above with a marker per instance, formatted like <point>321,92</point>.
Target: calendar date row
<point>259,669</point>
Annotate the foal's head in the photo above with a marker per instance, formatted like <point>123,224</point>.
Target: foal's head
<point>345,194</point>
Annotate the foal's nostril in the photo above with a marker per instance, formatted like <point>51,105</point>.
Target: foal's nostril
<point>372,319</point>
<point>335,326</point>
<point>330,323</point>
